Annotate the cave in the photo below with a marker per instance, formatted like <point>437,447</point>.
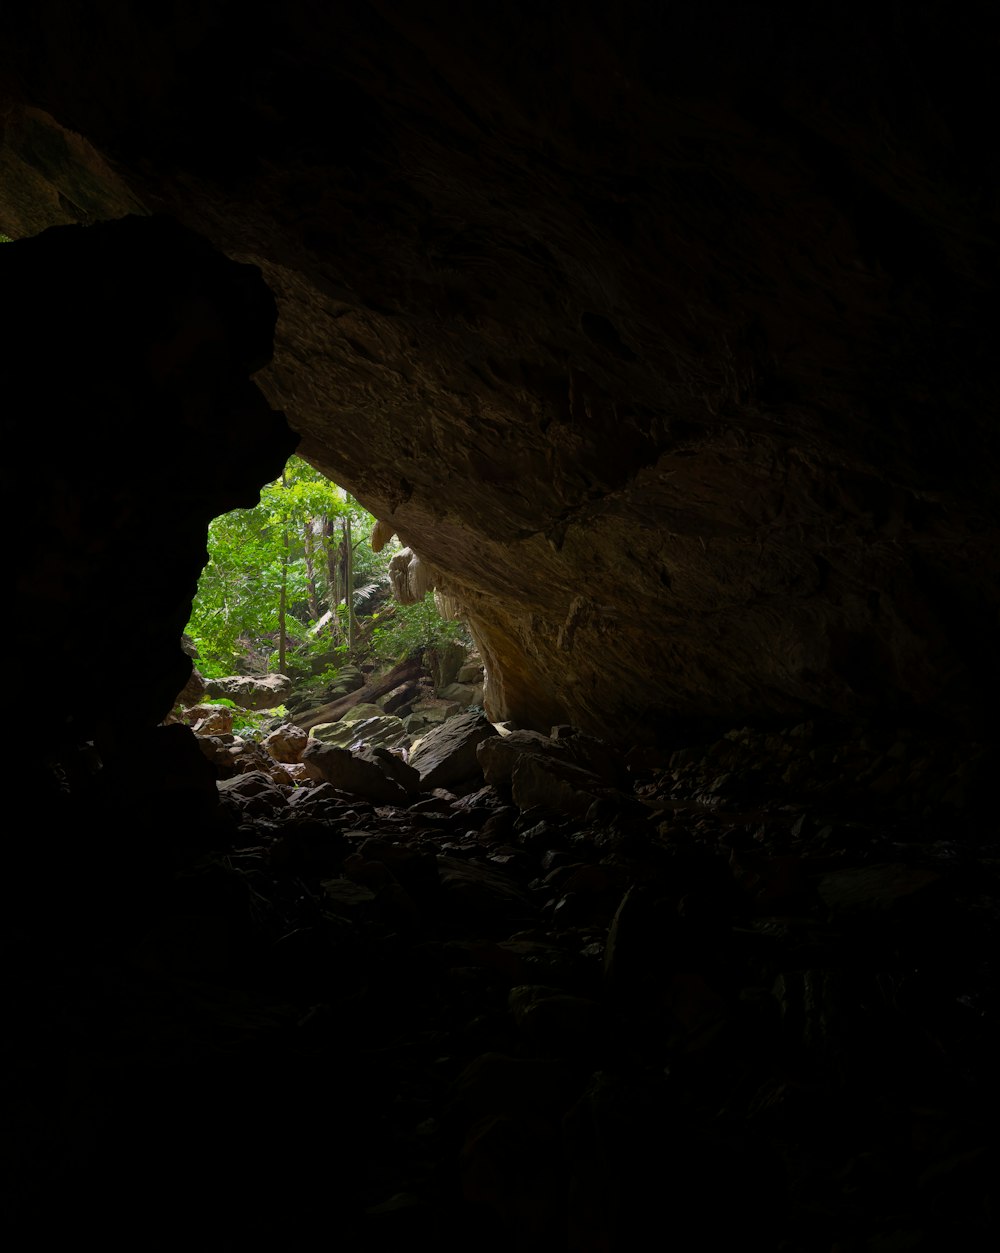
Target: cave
<point>665,336</point>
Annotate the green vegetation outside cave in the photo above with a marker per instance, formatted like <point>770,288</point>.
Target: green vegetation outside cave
<point>293,586</point>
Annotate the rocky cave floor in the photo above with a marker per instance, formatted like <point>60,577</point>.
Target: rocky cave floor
<point>749,1002</point>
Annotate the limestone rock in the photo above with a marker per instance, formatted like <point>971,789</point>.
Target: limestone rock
<point>233,755</point>
<point>447,754</point>
<point>193,690</point>
<point>251,693</point>
<point>254,794</point>
<point>555,784</point>
<point>498,755</point>
<point>317,801</point>
<point>428,713</point>
<point>444,662</point>
<point>295,770</point>
<point>378,729</point>
<point>287,743</point>
<point>599,756</point>
<point>209,719</point>
<point>349,679</point>
<point>362,711</point>
<point>463,694</point>
<point>349,772</point>
<point>541,771</point>
<point>411,577</point>
<point>382,533</point>
<point>392,764</point>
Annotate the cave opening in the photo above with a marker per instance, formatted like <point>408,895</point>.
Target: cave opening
<point>308,600</point>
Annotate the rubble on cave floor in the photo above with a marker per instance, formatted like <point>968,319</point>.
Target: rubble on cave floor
<point>744,990</point>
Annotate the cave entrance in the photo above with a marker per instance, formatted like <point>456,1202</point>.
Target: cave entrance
<point>295,611</point>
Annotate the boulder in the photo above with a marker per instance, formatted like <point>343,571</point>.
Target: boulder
<point>429,713</point>
<point>233,755</point>
<point>379,729</point>
<point>349,772</point>
<point>594,754</point>
<point>392,764</point>
<point>445,662</point>
<point>542,771</point>
<point>447,754</point>
<point>360,712</point>
<point>349,679</point>
<point>209,719</point>
<point>295,770</point>
<point>500,753</point>
<point>287,743</point>
<point>538,780</point>
<point>411,577</point>
<point>252,795</point>
<point>249,693</point>
<point>193,690</point>
<point>317,801</point>
<point>464,694</point>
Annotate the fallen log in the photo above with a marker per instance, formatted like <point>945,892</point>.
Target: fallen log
<point>406,672</point>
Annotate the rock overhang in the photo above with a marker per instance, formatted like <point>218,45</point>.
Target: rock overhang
<point>681,381</point>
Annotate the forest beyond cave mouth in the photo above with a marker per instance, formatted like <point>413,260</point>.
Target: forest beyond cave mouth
<point>310,591</point>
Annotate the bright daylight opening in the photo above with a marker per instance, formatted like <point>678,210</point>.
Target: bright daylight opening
<point>295,620</point>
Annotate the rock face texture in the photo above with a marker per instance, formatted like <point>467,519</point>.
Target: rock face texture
<point>250,693</point>
<point>663,333</point>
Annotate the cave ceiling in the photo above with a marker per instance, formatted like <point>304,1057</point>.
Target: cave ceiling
<point>665,334</point>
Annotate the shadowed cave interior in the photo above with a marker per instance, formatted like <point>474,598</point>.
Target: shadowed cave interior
<point>666,337</point>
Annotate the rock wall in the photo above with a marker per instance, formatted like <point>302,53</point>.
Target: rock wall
<point>664,333</point>
<point>130,421</point>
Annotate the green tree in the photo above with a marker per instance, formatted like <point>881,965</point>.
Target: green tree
<point>263,588</point>
<point>402,629</point>
<point>280,585</point>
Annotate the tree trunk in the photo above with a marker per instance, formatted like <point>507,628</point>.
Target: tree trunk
<point>309,544</point>
<point>283,599</point>
<point>406,672</point>
<point>332,577</point>
<point>352,622</point>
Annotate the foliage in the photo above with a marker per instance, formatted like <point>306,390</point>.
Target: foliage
<point>402,629</point>
<point>236,614</point>
<point>256,723</point>
<point>277,582</point>
<point>250,723</point>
